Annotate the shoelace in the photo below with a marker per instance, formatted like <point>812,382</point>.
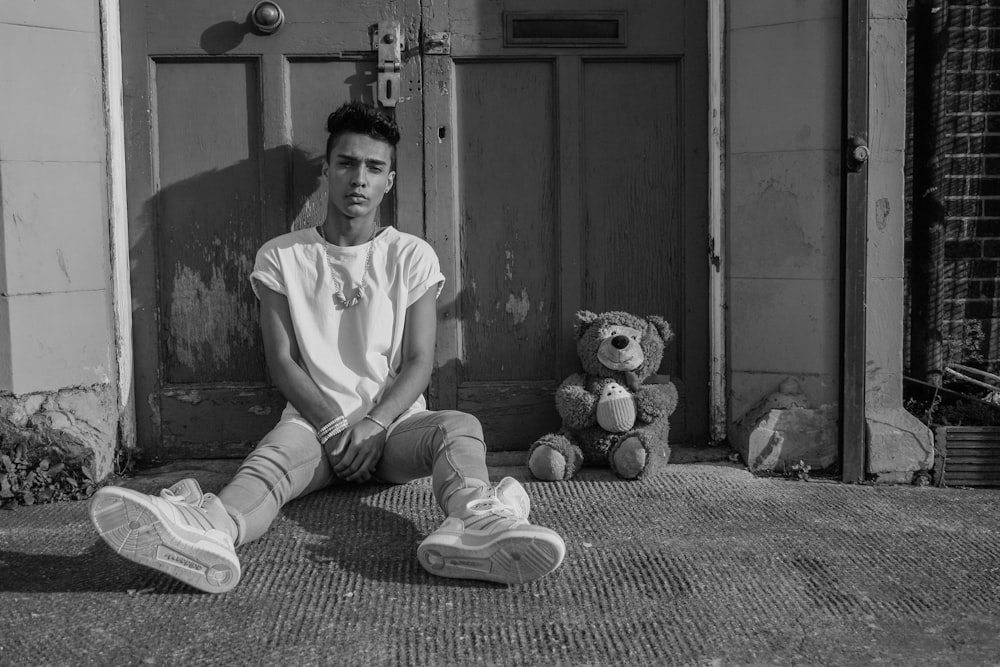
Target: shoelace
<point>178,499</point>
<point>520,508</point>
<point>487,511</point>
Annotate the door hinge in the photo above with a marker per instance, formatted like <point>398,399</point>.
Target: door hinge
<point>387,42</point>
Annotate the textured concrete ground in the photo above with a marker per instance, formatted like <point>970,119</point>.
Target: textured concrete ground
<point>703,565</point>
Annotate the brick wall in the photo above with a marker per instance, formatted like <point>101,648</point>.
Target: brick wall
<point>961,258</point>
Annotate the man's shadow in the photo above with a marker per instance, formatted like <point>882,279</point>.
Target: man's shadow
<point>213,220</point>
<point>96,570</point>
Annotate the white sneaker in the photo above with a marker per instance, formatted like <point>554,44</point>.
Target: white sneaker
<point>510,492</point>
<point>492,540</point>
<point>174,533</point>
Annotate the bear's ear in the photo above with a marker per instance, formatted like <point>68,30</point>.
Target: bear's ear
<point>584,318</point>
<point>662,327</point>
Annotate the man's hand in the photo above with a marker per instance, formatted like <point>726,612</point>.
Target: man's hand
<point>365,442</point>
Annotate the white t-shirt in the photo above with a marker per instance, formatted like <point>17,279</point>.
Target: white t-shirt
<point>352,354</point>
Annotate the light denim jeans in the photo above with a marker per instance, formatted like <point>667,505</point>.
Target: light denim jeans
<point>289,463</point>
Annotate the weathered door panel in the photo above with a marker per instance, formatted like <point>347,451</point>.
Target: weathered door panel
<point>226,131</point>
<point>508,246</point>
<point>566,170</point>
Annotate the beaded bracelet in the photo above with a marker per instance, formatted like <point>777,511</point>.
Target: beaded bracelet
<point>372,419</point>
<point>332,428</point>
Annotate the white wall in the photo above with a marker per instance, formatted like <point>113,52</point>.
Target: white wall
<point>783,112</point>
<point>56,343</point>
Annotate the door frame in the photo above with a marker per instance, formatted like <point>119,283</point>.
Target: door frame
<point>718,406</point>
<point>121,287</point>
<point>854,243</point>
<point>118,217</point>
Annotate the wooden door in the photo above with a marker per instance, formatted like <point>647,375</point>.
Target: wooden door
<point>566,146</point>
<point>225,136</point>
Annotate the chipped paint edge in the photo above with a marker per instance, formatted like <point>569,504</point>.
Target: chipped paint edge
<point>716,254</point>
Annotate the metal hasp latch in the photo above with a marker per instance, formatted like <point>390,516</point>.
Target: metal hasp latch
<point>857,153</point>
<point>388,43</point>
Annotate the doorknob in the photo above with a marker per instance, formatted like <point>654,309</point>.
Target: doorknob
<point>858,153</point>
<point>266,16</point>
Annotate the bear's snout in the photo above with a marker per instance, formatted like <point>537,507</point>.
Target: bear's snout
<point>621,350</point>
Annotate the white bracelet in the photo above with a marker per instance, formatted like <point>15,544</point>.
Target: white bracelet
<point>337,424</point>
<point>372,419</point>
<point>334,427</point>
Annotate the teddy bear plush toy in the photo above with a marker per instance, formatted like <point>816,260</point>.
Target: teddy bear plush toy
<point>612,415</point>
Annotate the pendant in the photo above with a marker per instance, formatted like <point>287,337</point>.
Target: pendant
<point>348,303</point>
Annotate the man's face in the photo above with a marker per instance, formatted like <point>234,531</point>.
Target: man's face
<point>359,174</point>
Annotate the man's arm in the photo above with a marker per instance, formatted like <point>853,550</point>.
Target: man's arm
<point>366,439</point>
<point>282,353</point>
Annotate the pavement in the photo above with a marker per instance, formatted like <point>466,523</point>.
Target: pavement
<point>703,564</point>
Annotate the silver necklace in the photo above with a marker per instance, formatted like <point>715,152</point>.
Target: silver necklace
<point>359,293</point>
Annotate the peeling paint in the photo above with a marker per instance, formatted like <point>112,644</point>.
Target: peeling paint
<point>207,319</point>
<point>519,307</point>
<point>259,410</point>
<point>309,211</point>
<point>153,401</point>
<point>191,396</point>
<point>509,264</point>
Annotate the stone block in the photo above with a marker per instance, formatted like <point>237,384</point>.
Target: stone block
<point>886,217</point>
<point>52,341</point>
<point>782,438</point>
<point>887,9</point>
<point>884,344</point>
<point>887,87</point>
<point>784,326</point>
<point>899,444</point>
<point>78,15</point>
<point>783,90</point>
<point>785,213</point>
<point>54,235</point>
<point>894,478</point>
<point>52,110</point>
<point>760,13</point>
<point>782,430</point>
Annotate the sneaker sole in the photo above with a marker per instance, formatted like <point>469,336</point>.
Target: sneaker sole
<point>515,557</point>
<point>131,525</point>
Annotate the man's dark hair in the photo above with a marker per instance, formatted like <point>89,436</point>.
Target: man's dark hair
<point>361,118</point>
